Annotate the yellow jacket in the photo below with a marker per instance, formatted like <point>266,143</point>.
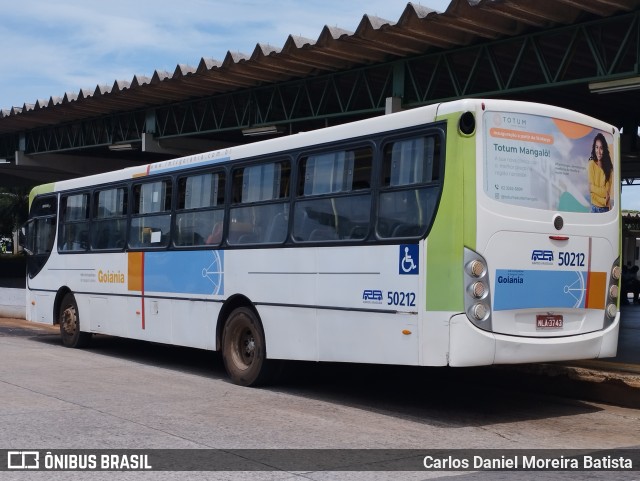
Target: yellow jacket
<point>598,186</point>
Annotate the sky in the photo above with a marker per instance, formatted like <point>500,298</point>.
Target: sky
<point>49,48</point>
<point>630,197</point>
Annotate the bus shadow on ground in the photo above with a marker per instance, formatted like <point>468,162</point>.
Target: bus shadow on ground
<point>437,396</point>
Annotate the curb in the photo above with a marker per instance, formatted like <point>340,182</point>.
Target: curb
<point>598,381</point>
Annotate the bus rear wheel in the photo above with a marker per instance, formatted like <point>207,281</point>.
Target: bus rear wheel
<point>69,320</point>
<point>244,349</point>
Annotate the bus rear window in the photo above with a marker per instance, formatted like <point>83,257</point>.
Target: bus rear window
<point>548,163</point>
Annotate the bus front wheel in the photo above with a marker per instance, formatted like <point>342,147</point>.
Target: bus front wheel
<point>69,320</point>
<point>244,350</point>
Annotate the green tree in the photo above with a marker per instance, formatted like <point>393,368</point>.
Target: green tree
<point>14,206</point>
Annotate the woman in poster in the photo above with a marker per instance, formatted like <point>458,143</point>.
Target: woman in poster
<point>600,171</point>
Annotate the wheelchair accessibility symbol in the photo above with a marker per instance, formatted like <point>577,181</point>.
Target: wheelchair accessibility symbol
<point>408,261</point>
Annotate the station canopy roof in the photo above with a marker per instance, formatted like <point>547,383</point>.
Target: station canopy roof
<point>417,31</point>
<point>549,51</point>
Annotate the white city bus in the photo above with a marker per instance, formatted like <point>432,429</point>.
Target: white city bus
<point>457,234</point>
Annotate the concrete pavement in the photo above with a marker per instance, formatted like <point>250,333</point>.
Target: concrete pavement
<point>615,380</point>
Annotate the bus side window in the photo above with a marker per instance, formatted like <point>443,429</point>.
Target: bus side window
<point>200,210</point>
<point>74,228</point>
<point>151,216</point>
<point>409,187</point>
<point>109,219</point>
<point>260,212</point>
<point>334,197</point>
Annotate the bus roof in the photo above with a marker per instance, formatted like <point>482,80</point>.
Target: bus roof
<point>301,140</point>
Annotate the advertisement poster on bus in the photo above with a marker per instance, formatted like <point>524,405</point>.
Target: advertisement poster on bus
<point>546,163</point>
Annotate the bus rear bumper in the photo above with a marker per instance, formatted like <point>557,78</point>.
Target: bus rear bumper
<point>470,346</point>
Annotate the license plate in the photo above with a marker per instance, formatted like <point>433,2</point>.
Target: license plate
<point>549,321</point>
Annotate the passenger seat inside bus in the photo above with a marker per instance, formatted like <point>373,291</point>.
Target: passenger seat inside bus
<point>277,229</point>
<point>323,234</point>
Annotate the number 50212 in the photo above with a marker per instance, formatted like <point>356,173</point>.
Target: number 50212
<point>395,298</point>
<point>573,259</point>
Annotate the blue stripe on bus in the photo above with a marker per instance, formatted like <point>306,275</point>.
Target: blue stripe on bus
<point>184,272</point>
<point>530,289</point>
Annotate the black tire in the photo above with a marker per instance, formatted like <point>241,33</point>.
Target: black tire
<point>69,320</point>
<point>244,350</point>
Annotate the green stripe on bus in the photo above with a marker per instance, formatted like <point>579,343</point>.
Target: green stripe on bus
<point>41,189</point>
<point>455,224</point>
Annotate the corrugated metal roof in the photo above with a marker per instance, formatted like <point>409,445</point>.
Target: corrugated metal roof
<point>418,30</point>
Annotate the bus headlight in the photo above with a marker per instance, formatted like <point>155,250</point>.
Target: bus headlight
<point>477,296</point>
<point>612,310</point>
<point>613,292</point>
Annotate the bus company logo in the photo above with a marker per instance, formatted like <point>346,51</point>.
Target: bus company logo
<point>23,460</point>
<point>110,277</point>
<point>513,121</point>
<point>542,257</point>
<point>372,296</point>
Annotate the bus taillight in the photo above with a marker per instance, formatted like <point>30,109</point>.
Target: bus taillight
<point>477,299</point>
<point>476,268</point>
<point>612,302</point>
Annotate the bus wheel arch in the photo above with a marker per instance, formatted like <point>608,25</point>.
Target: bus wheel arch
<point>63,291</point>
<point>241,339</point>
<point>234,302</point>
<point>67,315</point>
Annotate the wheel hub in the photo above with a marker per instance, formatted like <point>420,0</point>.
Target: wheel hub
<point>249,346</point>
<point>69,320</point>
